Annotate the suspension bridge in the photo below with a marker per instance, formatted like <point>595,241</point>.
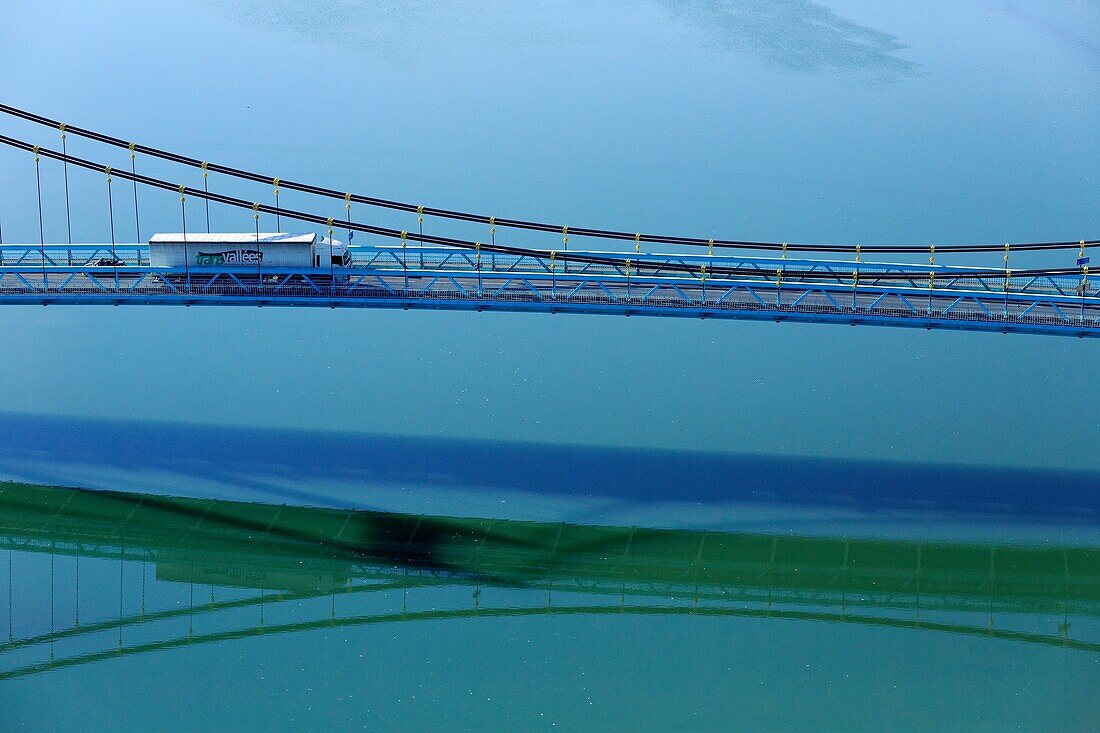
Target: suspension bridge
<point>698,278</point>
<point>132,574</point>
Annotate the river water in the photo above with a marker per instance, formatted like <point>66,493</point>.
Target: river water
<point>352,581</point>
<point>596,523</point>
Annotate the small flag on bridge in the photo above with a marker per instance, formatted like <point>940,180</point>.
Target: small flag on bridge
<point>1082,260</point>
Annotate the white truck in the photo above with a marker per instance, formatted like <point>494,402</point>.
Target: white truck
<point>275,250</point>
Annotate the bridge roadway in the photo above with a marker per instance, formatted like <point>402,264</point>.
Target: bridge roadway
<point>684,285</point>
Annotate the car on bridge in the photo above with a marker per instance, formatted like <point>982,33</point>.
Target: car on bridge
<point>107,262</point>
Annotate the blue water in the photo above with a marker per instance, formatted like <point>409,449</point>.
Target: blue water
<point>792,120</point>
<point>187,633</point>
<point>544,481</point>
<point>843,121</point>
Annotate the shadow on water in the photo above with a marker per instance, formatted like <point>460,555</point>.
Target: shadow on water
<point>793,35</point>
<point>798,36</point>
<point>282,569</point>
<point>299,467</point>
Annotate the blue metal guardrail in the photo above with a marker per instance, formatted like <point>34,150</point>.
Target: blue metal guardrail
<point>833,291</point>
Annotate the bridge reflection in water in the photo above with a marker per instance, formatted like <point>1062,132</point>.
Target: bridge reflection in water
<point>133,574</point>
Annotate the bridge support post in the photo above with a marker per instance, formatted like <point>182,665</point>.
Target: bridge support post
<point>553,276</point>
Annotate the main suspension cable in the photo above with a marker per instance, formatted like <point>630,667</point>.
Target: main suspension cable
<point>520,223</point>
<point>607,259</point>
<point>268,209</point>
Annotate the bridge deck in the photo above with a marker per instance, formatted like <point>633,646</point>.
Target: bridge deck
<point>893,294</point>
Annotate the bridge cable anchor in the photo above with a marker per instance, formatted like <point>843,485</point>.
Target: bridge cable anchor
<point>347,210</point>
<point>206,191</point>
<point>931,286</point>
<point>553,277</point>
<point>41,227</point>
<point>278,219</point>
<point>405,258</point>
<point>477,266</point>
<point>420,227</point>
<point>65,167</point>
<point>1084,276</point>
<point>332,278</point>
<point>628,278</point>
<point>183,218</point>
<point>565,244</point>
<point>492,240</point>
<point>133,170</point>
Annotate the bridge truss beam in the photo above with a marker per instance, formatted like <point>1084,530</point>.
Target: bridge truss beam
<point>811,291</point>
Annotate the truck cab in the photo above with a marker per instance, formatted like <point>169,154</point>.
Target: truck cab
<point>339,253</point>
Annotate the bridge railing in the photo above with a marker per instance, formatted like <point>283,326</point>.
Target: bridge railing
<point>642,294</point>
<point>431,260</point>
<point>676,265</point>
<point>657,285</point>
<point>76,255</point>
<point>26,278</point>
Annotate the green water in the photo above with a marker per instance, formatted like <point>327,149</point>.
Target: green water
<point>155,613</point>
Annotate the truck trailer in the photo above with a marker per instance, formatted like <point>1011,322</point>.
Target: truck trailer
<point>233,250</point>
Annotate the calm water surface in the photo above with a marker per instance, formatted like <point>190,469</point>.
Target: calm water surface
<point>690,593</point>
<point>411,521</point>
